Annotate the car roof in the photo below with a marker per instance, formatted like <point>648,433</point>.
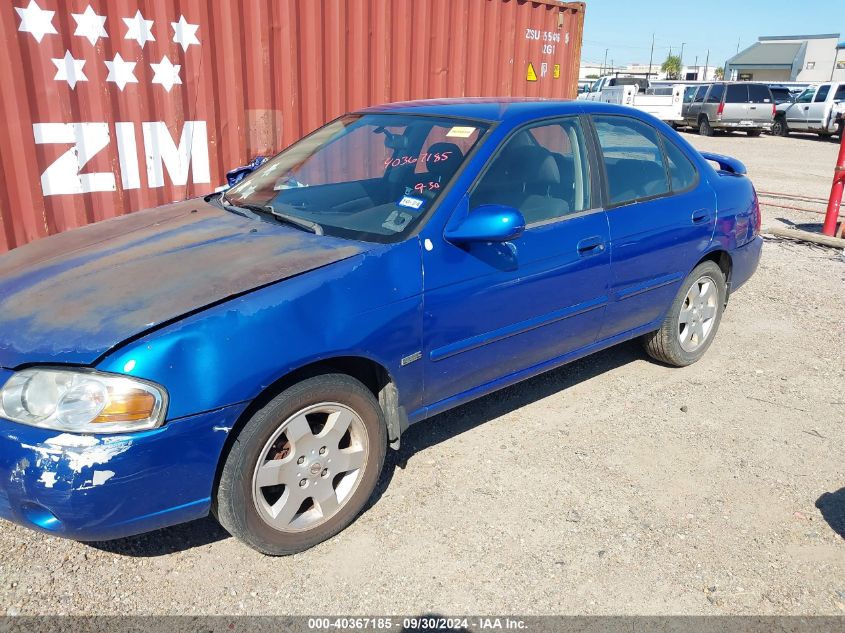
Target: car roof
<point>496,109</point>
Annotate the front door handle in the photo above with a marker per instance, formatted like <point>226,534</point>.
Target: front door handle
<point>591,246</point>
<point>701,216</point>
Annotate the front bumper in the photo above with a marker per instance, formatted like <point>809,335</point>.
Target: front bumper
<point>110,486</point>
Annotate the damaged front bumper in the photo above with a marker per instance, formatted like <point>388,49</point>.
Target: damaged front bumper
<point>102,487</point>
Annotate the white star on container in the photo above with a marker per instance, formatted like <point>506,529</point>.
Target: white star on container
<point>69,69</point>
<point>140,30</point>
<point>184,34</point>
<point>166,73</point>
<point>90,25</point>
<point>121,72</point>
<point>36,21</point>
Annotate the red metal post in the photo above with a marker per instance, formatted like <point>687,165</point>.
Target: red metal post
<point>836,190</point>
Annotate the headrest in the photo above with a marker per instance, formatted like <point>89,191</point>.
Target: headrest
<point>534,165</point>
<point>444,167</point>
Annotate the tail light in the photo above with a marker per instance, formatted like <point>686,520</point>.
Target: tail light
<point>720,109</point>
<point>758,215</point>
<point>774,110</point>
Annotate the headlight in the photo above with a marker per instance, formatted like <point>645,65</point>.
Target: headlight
<point>82,401</point>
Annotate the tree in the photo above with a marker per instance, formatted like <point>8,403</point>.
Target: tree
<point>719,73</point>
<point>672,67</point>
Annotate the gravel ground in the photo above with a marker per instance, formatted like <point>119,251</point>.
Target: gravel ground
<point>612,485</point>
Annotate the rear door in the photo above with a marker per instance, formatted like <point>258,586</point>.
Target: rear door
<point>735,111</point>
<point>661,220</point>
<point>760,108</point>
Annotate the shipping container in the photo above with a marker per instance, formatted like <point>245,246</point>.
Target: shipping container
<point>110,106</point>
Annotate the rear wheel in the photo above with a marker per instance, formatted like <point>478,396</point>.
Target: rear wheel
<point>753,133</point>
<point>779,127</point>
<point>704,127</point>
<point>693,319</point>
<point>304,465</point>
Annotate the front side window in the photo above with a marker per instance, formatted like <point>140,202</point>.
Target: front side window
<point>370,177</point>
<point>632,159</point>
<point>542,171</point>
<point>840,93</point>
<point>807,95</point>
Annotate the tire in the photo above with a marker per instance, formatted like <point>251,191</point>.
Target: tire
<point>754,133</point>
<point>779,127</point>
<point>667,344</point>
<point>704,127</point>
<point>292,428</point>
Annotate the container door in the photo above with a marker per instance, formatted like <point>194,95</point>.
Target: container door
<point>495,309</point>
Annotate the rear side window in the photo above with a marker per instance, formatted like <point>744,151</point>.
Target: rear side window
<point>715,95</point>
<point>736,93</point>
<point>682,173</point>
<point>821,95</point>
<point>699,96</point>
<point>758,93</point>
<point>840,93</point>
<point>632,158</point>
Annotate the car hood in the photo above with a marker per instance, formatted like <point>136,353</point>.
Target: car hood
<point>72,297</point>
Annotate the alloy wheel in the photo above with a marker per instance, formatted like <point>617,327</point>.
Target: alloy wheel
<point>698,314</point>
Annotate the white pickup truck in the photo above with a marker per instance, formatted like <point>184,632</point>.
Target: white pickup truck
<point>605,82</point>
<point>667,107</point>
<point>818,109</point>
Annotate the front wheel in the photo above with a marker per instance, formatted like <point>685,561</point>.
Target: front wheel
<point>693,319</point>
<point>303,466</point>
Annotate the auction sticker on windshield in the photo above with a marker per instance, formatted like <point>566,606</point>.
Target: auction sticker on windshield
<point>410,202</point>
<point>460,131</point>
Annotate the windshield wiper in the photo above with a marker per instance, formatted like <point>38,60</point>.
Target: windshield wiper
<point>302,223</point>
<point>251,211</point>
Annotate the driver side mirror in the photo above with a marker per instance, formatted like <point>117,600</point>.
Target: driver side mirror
<point>488,223</point>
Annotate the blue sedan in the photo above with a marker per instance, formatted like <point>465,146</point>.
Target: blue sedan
<point>253,354</point>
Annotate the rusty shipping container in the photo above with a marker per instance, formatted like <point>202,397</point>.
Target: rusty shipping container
<point>110,106</point>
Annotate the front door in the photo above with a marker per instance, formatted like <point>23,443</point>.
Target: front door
<point>493,310</point>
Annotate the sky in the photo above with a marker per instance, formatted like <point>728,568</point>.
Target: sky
<point>625,27</point>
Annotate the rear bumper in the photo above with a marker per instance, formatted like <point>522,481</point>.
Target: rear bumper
<point>745,260</point>
<point>736,125</point>
<point>104,487</point>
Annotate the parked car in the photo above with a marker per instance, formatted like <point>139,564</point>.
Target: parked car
<point>781,94</point>
<point>730,106</point>
<point>814,110</point>
<point>252,354</point>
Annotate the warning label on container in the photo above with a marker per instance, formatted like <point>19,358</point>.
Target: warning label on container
<point>556,71</point>
<point>531,75</point>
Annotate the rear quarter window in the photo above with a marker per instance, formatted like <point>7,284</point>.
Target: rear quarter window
<point>682,173</point>
<point>715,95</point>
<point>759,94</point>
<point>736,93</point>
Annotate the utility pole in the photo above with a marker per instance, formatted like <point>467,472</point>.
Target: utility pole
<point>681,58</point>
<point>706,62</point>
<point>696,68</point>
<point>651,57</point>
<point>604,64</point>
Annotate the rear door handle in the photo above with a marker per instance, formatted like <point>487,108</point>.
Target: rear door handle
<point>591,246</point>
<point>701,217</point>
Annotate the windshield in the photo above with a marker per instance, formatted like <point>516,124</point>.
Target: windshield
<point>364,176</point>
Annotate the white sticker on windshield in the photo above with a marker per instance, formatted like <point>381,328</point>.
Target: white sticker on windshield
<point>410,202</point>
<point>460,131</point>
